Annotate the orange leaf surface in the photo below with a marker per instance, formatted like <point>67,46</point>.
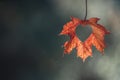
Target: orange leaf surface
<point>84,49</point>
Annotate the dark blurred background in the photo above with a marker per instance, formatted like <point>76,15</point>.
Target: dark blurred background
<point>30,48</point>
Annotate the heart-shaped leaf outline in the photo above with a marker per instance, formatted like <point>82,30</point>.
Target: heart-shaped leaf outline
<point>84,49</point>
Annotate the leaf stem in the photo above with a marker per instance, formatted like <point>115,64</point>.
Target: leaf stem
<point>86,5</point>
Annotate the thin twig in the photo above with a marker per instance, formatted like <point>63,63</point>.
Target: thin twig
<point>86,5</point>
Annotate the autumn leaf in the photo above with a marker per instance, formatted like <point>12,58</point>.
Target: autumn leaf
<point>84,49</point>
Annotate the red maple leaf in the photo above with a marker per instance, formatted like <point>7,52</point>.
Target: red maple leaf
<point>84,49</point>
